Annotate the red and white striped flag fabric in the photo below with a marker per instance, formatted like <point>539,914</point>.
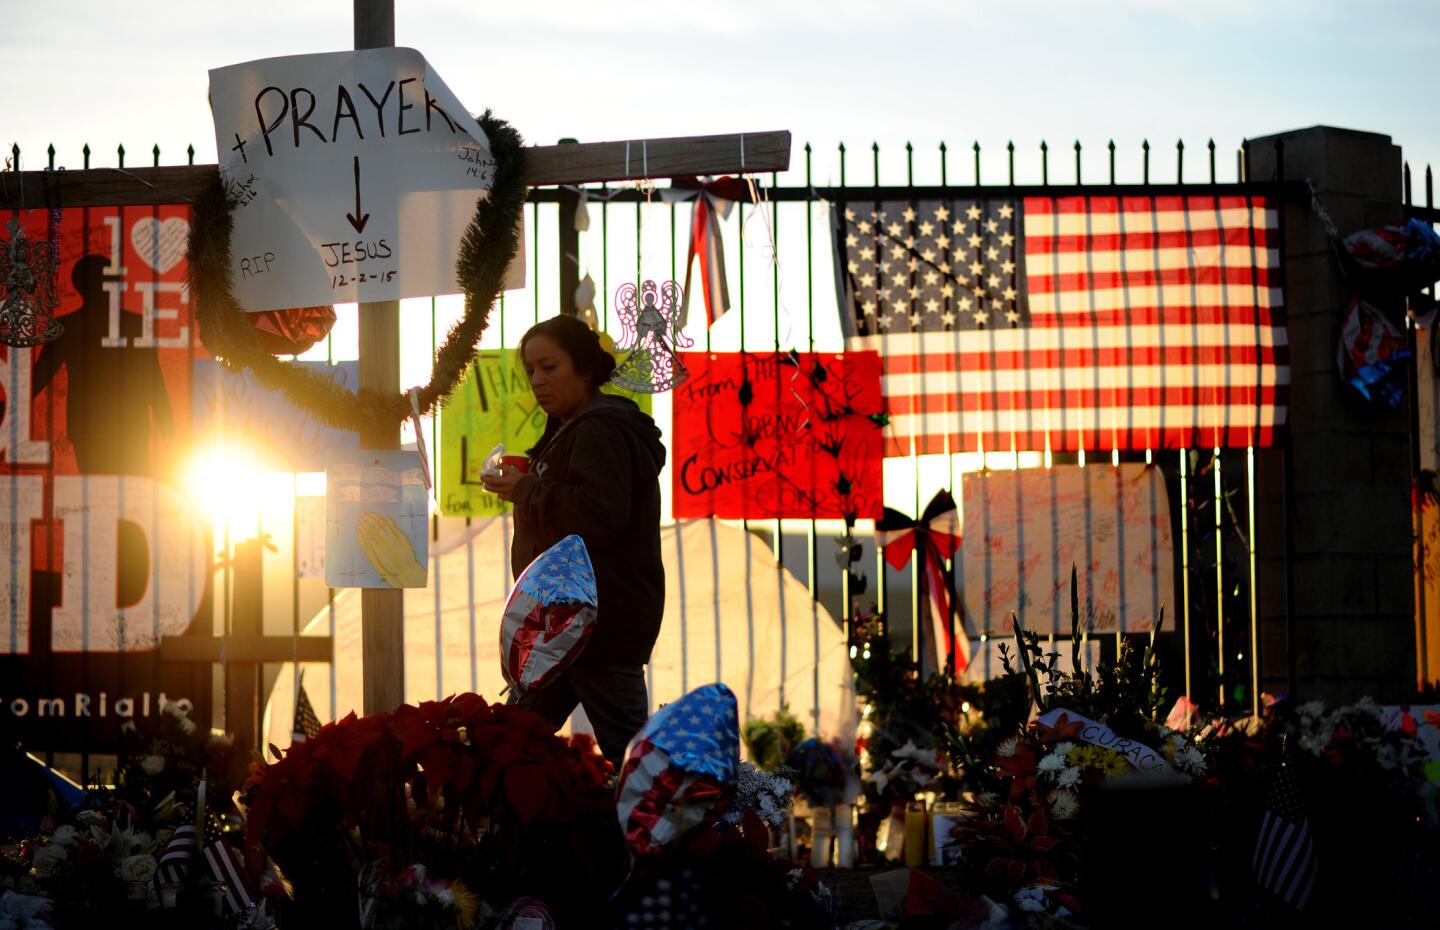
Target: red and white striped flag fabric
<point>708,248</point>
<point>222,861</point>
<point>227,868</point>
<point>174,859</point>
<point>1069,323</point>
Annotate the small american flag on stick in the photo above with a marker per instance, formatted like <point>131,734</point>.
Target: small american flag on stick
<point>307,724</point>
<point>1284,860</point>
<point>1068,323</point>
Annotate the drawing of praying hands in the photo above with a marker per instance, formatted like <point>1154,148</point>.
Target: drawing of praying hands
<point>389,551</point>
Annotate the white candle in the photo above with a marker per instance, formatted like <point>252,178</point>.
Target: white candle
<point>845,837</point>
<point>200,808</point>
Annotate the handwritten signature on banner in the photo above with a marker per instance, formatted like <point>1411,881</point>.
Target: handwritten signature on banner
<point>771,435</point>
<point>1141,757</point>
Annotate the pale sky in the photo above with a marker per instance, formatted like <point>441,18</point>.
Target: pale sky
<point>924,70</point>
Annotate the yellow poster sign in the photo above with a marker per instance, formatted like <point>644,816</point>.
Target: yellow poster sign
<point>493,405</point>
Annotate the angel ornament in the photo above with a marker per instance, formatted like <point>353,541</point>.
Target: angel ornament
<point>27,290</point>
<point>650,315</point>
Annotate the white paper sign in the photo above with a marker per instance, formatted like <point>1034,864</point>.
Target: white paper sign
<point>355,173</point>
<point>1140,756</point>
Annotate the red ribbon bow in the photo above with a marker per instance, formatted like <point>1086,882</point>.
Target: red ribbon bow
<point>936,536</point>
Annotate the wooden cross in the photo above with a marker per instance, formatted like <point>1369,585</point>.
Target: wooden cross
<point>571,163</point>
<point>382,610</point>
<point>245,649</point>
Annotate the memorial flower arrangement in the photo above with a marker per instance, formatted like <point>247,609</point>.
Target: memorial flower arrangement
<point>767,795</point>
<point>484,799</point>
<point>904,717</point>
<point>1368,778</point>
<point>1025,831</point>
<point>412,900</point>
<point>102,855</point>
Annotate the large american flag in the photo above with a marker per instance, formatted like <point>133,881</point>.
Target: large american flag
<point>1068,323</point>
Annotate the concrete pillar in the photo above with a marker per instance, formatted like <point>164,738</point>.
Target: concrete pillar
<point>1352,629</point>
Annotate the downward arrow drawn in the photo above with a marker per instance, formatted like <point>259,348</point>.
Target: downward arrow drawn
<point>358,224</point>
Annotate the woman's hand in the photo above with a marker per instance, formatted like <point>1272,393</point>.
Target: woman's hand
<point>503,485</point>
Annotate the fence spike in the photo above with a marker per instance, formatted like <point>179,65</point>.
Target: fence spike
<point>1111,146</point>
<point>807,166</point>
<point>1145,161</point>
<point>842,164</point>
<point>156,152</point>
<point>1077,162</point>
<point>976,147</point>
<point>1044,162</point>
<point>875,161</point>
<point>1429,187</point>
<point>120,150</point>
<point>1211,146</point>
<point>190,155</point>
<point>944,168</point>
<point>1180,161</point>
<point>15,156</point>
<point>51,152</point>
<point>86,152</point>
<point>1010,150</point>
<point>909,164</point>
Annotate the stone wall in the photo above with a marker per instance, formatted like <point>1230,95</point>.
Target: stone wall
<point>1350,517</point>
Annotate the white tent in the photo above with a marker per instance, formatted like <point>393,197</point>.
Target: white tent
<point>731,614</point>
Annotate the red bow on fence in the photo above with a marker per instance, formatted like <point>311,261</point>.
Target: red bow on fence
<point>713,200</point>
<point>934,538</point>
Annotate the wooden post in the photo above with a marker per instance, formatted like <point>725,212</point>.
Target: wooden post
<point>382,610</point>
<point>569,243</point>
<point>242,679</point>
<point>244,649</point>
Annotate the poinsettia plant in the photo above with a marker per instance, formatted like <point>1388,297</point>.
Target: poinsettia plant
<point>482,794</point>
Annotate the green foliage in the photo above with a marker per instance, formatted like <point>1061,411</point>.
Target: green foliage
<point>1125,693</point>
<point>770,740</point>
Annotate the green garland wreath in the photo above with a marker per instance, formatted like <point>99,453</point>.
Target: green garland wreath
<point>485,253</point>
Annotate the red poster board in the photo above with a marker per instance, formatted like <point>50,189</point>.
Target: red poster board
<point>770,435</point>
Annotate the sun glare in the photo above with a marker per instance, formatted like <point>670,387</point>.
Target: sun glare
<point>236,494</point>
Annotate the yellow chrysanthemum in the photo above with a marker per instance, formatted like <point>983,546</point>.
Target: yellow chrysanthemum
<point>1105,761</point>
<point>467,906</point>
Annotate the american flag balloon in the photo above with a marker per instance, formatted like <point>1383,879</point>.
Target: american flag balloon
<point>681,768</point>
<point>549,616</point>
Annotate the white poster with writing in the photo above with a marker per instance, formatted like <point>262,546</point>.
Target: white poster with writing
<point>355,175</point>
<point>1025,529</point>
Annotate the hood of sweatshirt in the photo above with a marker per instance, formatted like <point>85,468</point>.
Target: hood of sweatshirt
<point>636,421</point>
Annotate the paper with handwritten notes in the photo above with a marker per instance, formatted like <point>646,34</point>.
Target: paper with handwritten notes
<point>354,176</point>
<point>767,435</point>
